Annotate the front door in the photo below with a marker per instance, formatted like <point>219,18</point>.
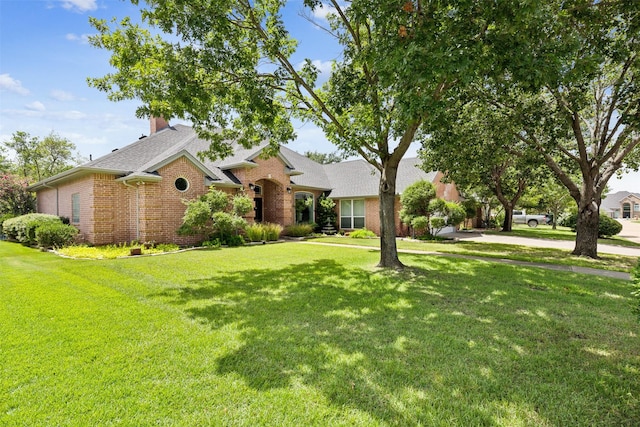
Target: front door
<point>258,208</point>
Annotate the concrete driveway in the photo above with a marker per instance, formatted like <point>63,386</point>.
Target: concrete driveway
<point>557,244</point>
<point>630,230</point>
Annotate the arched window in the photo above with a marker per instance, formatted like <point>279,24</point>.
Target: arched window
<point>304,207</point>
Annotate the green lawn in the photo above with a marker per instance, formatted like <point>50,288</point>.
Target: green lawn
<point>297,335</point>
<point>561,233</point>
<point>501,251</point>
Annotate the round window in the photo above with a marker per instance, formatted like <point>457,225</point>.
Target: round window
<point>181,184</point>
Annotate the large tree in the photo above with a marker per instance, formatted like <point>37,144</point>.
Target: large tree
<point>229,65</point>
<point>475,146</point>
<point>586,118</point>
<point>37,159</point>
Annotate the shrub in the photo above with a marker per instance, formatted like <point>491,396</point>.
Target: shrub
<point>52,235</point>
<point>299,230</point>
<point>234,240</point>
<point>255,232</point>
<point>437,224</point>
<point>215,243</point>
<point>363,233</point>
<point>23,228</point>
<point>607,226</point>
<point>272,231</point>
<point>420,225</point>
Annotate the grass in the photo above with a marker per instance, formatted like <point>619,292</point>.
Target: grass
<point>500,250</point>
<point>296,334</point>
<point>561,233</point>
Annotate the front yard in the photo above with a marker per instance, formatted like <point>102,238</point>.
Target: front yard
<point>296,334</point>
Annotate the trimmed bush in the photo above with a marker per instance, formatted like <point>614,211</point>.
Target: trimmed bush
<point>608,226</point>
<point>23,228</point>
<point>55,235</point>
<point>363,233</point>
<point>299,230</point>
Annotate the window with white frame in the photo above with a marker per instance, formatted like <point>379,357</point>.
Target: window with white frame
<point>352,213</point>
<point>636,207</point>
<point>75,208</point>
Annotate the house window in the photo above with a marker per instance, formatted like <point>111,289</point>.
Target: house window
<point>352,214</point>
<point>636,207</point>
<point>75,208</point>
<point>182,184</point>
<point>304,208</point>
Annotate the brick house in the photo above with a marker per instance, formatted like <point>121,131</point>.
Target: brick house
<point>136,192</point>
<point>621,205</point>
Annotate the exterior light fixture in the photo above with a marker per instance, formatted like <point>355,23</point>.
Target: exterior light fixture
<point>251,186</point>
<point>289,190</point>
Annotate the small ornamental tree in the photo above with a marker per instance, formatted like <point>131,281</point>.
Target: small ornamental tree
<point>216,215</point>
<point>15,199</point>
<point>426,213</point>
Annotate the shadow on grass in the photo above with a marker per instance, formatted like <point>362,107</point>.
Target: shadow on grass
<point>447,342</point>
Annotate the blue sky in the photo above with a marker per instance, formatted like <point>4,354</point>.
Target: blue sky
<point>45,61</point>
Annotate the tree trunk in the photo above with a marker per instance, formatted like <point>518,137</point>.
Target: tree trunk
<point>587,229</point>
<point>387,192</point>
<point>507,224</point>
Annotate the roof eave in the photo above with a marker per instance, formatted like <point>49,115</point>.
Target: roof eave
<point>71,173</point>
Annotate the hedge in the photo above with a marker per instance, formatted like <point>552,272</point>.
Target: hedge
<point>23,228</point>
<point>55,235</point>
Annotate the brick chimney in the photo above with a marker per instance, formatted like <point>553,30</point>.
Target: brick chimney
<point>157,124</point>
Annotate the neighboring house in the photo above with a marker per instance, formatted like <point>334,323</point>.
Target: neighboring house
<point>137,192</point>
<point>622,204</point>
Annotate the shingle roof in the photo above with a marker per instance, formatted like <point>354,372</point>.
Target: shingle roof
<point>612,201</point>
<point>357,178</point>
<point>144,157</point>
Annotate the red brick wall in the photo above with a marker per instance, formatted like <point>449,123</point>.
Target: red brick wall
<point>161,207</point>
<point>277,202</point>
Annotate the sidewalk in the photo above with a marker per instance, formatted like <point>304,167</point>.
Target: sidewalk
<point>569,268</point>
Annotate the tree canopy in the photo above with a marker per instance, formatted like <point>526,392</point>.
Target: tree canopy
<point>323,158</point>
<point>36,158</point>
<point>584,122</point>
<point>475,146</point>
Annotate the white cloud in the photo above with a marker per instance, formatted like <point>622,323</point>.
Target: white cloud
<point>79,5</point>
<point>61,95</point>
<point>324,10</point>
<point>31,112</point>
<point>35,106</point>
<point>323,66</point>
<point>12,85</point>
<point>82,38</point>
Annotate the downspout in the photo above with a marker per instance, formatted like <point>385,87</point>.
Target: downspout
<point>137,208</point>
